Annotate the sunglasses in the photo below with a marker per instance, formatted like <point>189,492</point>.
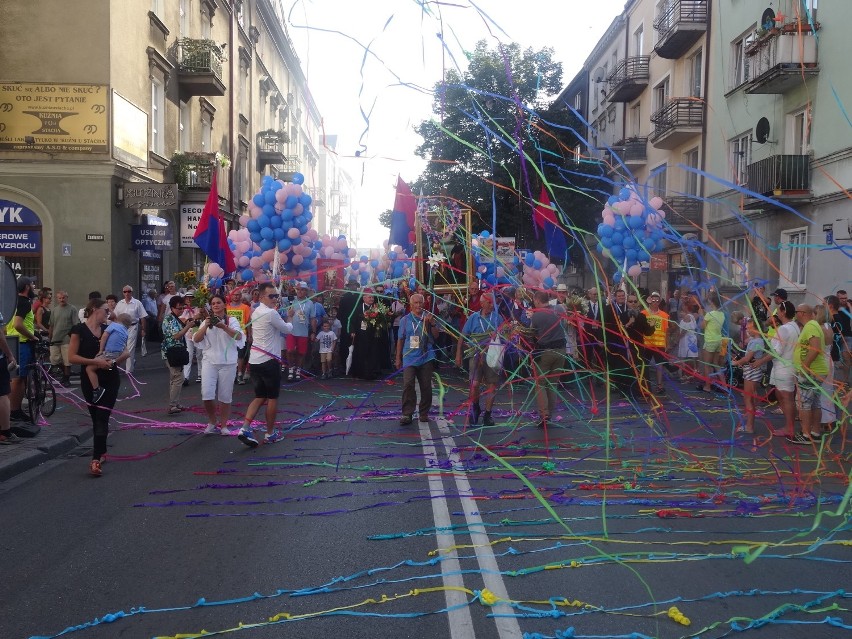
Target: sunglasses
<point>273,296</point>
<point>127,291</point>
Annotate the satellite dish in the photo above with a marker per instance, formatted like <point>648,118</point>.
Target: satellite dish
<point>761,131</point>
<point>599,74</point>
<point>767,20</point>
<point>8,290</point>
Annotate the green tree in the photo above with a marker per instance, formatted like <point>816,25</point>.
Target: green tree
<point>385,218</point>
<point>494,131</point>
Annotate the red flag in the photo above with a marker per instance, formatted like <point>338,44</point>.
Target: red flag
<point>402,216</point>
<point>210,234</point>
<point>544,217</point>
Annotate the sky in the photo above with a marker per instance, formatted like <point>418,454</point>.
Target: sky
<point>371,67</point>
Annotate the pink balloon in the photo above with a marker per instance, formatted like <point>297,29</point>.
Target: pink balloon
<point>256,213</point>
<point>329,251</point>
<point>242,261</point>
<point>243,246</point>
<point>256,262</point>
<point>352,252</point>
<point>280,196</point>
<point>609,220</point>
<point>232,235</point>
<point>297,260</point>
<point>636,209</point>
<point>269,255</point>
<point>634,271</point>
<point>284,258</point>
<point>312,234</point>
<point>293,233</point>
<point>656,202</point>
<point>212,267</point>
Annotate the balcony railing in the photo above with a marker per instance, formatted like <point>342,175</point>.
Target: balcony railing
<point>318,195</point>
<point>193,171</point>
<point>777,63</point>
<point>680,25</point>
<point>270,148</point>
<point>679,120</point>
<point>199,67</point>
<point>630,152</point>
<point>683,211</point>
<point>629,78</point>
<point>783,177</point>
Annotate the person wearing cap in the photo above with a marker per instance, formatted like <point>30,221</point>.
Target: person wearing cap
<point>479,335</point>
<point>304,322</point>
<point>561,295</point>
<point>133,307</point>
<point>22,326</point>
<point>654,352</point>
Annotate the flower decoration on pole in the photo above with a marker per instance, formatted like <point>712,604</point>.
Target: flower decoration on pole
<point>436,259</point>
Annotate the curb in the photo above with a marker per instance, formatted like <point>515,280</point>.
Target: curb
<point>43,449</point>
<point>22,462</point>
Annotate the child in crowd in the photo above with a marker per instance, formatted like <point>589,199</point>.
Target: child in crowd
<point>113,343</point>
<point>752,371</point>
<point>327,343</point>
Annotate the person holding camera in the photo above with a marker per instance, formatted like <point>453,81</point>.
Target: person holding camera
<point>192,315</point>
<point>174,336</point>
<point>220,338</point>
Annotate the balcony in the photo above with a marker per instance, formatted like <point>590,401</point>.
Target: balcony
<point>291,164</point>
<point>628,79</point>
<point>270,148</point>
<point>680,25</point>
<point>677,122</point>
<point>684,211</point>
<point>318,195</point>
<point>193,171</point>
<point>631,152</point>
<point>784,178</point>
<point>778,63</point>
<point>199,68</point>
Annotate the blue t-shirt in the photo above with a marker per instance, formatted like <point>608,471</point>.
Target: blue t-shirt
<point>421,350</point>
<point>304,312</point>
<point>117,340</point>
<point>481,328</point>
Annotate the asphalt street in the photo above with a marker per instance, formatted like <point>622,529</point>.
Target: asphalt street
<point>355,526</point>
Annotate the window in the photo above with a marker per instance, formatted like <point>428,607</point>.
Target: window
<point>738,260</point>
<point>244,93</point>
<point>690,159</point>
<point>739,59</point>
<point>739,149</point>
<point>183,9</point>
<point>241,18</point>
<point>794,256</point>
<point>157,7</point>
<point>206,133</point>
<point>639,40</point>
<point>799,132</point>
<point>636,120</point>
<point>661,95</point>
<point>243,174</point>
<point>695,75</point>
<point>657,181</point>
<point>185,113</point>
<point>206,24</point>
<point>158,108</point>
<point>578,153</point>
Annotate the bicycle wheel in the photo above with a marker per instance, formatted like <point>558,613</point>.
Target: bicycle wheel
<point>34,392</point>
<point>48,405</point>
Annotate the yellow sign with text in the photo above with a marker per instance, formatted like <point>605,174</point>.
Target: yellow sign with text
<point>56,118</point>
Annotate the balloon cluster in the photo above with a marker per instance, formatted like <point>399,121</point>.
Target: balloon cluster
<point>377,267</point>
<point>490,268</point>
<point>278,222</point>
<point>630,231</point>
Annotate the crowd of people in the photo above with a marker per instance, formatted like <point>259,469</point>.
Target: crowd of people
<point>627,340</point>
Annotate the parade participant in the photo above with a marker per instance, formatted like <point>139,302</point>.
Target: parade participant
<point>327,341</point>
<point>760,304</point>
<point>63,317</point>
<point>22,326</point>
<point>752,362</point>
<point>783,376</point>
<point>591,333</point>
<point>415,355</point>
<point>113,343</point>
<point>811,369</point>
<point>193,315</point>
<point>714,326</point>
<point>345,311</point>
<point>238,309</point>
<point>367,336</point>
<point>304,322</point>
<point>654,353</point>
<point>477,334</point>
<point>687,347</point>
<point>548,354</point>
<point>220,338</point>
<point>268,329</point>
<point>169,289</point>
<point>83,350</point>
<point>174,335</point>
<point>136,310</point>
<point>41,309</point>
<point>828,409</point>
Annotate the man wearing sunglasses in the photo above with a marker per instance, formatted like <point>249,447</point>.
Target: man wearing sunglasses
<point>268,331</point>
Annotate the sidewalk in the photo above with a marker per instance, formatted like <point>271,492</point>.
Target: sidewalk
<point>71,426</point>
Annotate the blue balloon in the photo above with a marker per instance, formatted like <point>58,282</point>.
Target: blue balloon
<point>307,215</point>
<point>605,230</point>
<point>265,266</point>
<point>619,224</point>
<point>529,259</point>
<point>269,197</point>
<point>290,201</point>
<point>392,255</point>
<point>606,241</point>
<point>548,282</point>
<point>266,233</point>
<point>275,222</point>
<point>255,237</point>
<point>306,199</point>
<point>624,194</point>
<point>661,244</point>
<point>612,200</point>
<point>617,251</point>
<point>648,243</point>
<point>397,269</point>
<point>267,244</point>
<point>303,228</point>
<point>629,242</point>
<point>631,255</point>
<point>374,263</point>
<point>278,234</point>
<point>341,237</point>
<point>284,244</point>
<point>599,248</point>
<point>263,221</point>
<point>295,240</point>
<point>485,235</point>
<point>356,266</point>
<point>363,259</point>
<point>318,244</point>
<point>643,256</point>
<point>298,178</point>
<point>617,238</point>
<point>412,283</point>
<point>380,276</point>
<point>287,215</point>
<point>267,180</point>
<point>298,220</point>
<point>276,185</point>
<point>268,210</point>
<point>635,222</point>
<point>491,279</point>
<point>247,275</point>
<point>616,278</point>
<point>253,226</point>
<point>259,200</point>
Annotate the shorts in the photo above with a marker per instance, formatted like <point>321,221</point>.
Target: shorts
<point>59,354</point>
<point>782,379</point>
<point>325,358</point>
<point>243,353</point>
<point>266,378</point>
<point>26,356</point>
<point>481,372</point>
<point>113,355</point>
<point>297,344</point>
<point>5,387</point>
<point>217,382</point>
<point>810,395</point>
<point>712,347</point>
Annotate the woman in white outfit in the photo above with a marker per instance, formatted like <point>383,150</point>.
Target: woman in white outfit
<point>219,337</point>
<point>826,402</point>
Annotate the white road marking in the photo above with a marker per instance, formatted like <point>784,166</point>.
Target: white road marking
<point>461,623</point>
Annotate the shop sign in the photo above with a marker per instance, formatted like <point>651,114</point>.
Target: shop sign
<point>55,118</point>
<point>143,236</point>
<point>190,216</point>
<point>20,242</point>
<point>659,262</point>
<point>146,195</point>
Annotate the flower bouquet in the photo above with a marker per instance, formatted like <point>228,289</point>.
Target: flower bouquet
<point>379,316</point>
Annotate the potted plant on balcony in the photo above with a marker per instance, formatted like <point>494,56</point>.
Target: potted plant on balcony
<point>799,26</point>
<point>271,134</point>
<point>184,163</point>
<point>196,52</point>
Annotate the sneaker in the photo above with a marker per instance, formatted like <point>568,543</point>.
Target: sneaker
<point>8,437</point>
<point>475,410</point>
<point>175,410</point>
<point>95,468</point>
<point>424,419</point>
<point>198,379</point>
<point>799,439</point>
<point>406,420</point>
<point>298,374</point>
<point>211,428</point>
<point>273,437</point>
<point>225,431</point>
<point>186,381</point>
<point>98,394</point>
<point>487,420</point>
<point>291,373</point>
<point>245,437</point>
<point>240,380</point>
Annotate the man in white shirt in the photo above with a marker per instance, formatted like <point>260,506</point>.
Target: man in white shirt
<point>133,307</point>
<point>268,330</point>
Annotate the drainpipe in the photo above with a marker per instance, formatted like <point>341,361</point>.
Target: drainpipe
<point>705,87</point>
<point>231,110</point>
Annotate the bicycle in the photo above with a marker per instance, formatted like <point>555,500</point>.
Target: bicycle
<point>38,389</point>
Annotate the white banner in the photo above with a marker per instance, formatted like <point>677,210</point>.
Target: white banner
<point>190,216</point>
